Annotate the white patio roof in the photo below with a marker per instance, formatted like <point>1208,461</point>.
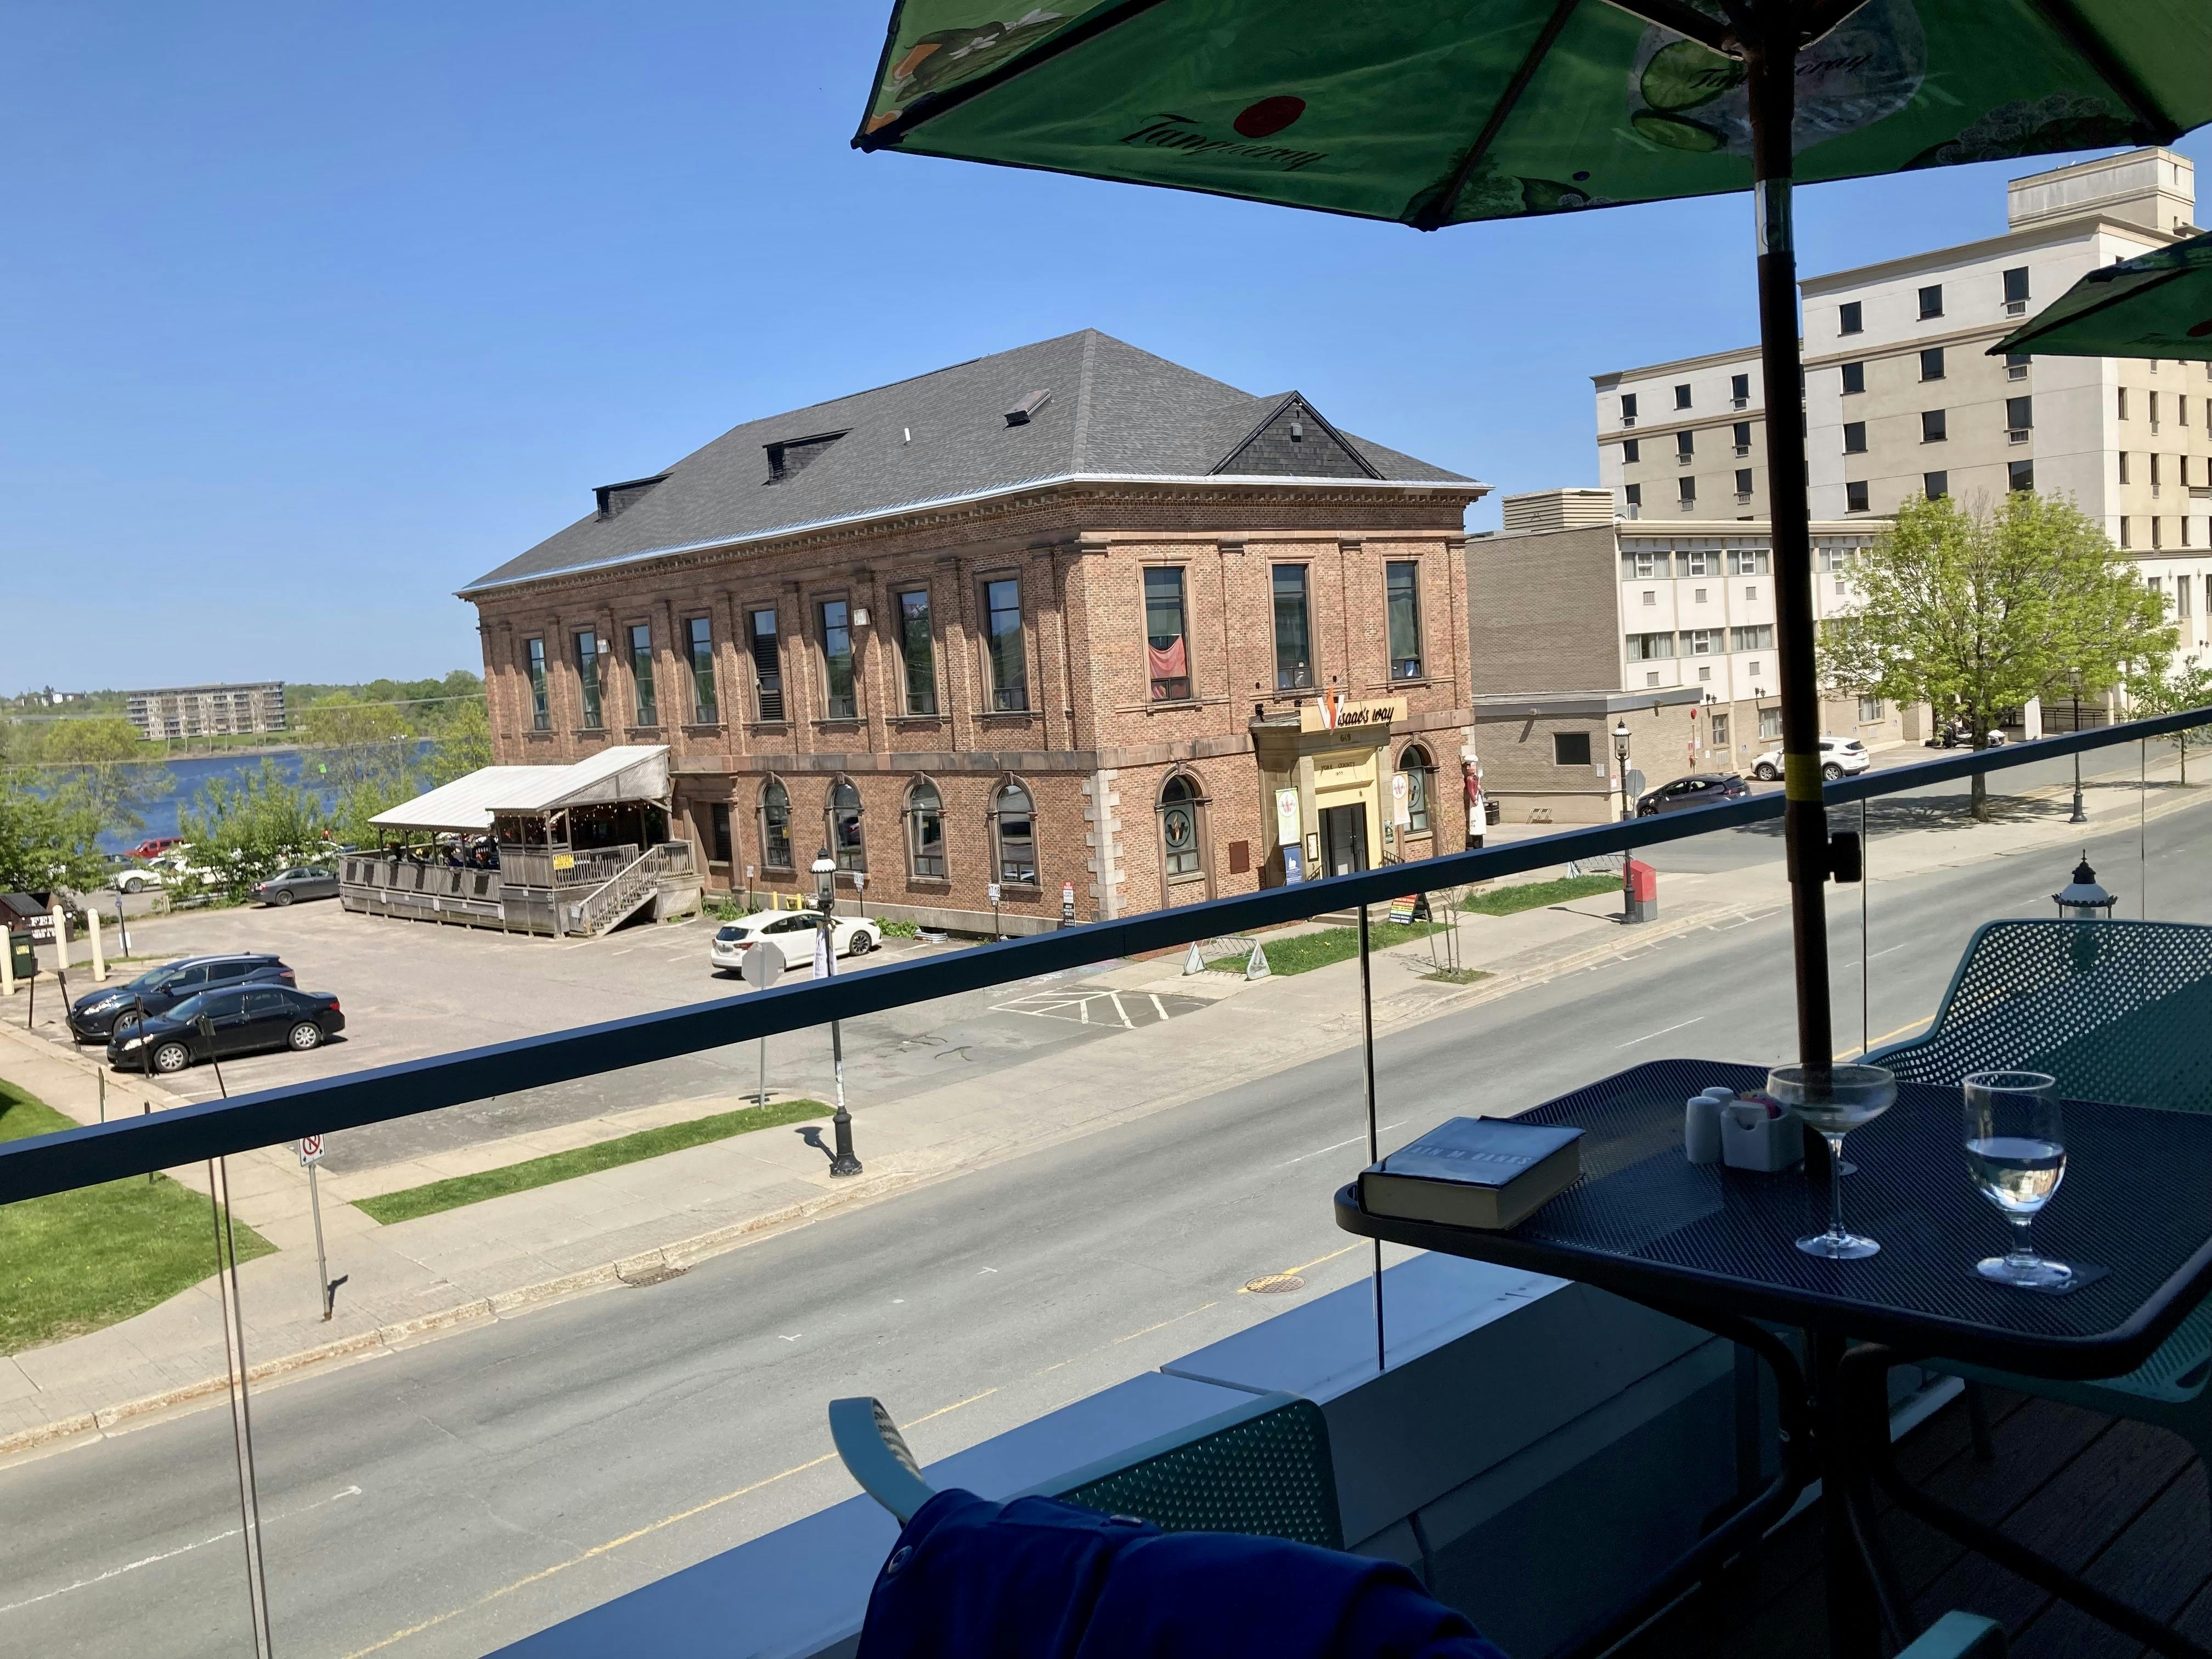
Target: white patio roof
<point>628,772</point>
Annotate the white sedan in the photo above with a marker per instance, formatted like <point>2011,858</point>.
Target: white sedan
<point>791,932</point>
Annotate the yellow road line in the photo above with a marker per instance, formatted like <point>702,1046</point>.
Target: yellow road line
<point>630,1537</point>
<point>1246,1289</point>
<point>1910,1025</point>
<point>1164,1324</point>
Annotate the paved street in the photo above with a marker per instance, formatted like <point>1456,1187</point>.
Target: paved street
<point>440,1499</point>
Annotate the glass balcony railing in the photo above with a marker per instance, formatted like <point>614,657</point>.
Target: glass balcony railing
<point>592,1291</point>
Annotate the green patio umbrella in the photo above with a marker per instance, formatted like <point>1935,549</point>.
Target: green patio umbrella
<point>2155,305</point>
<point>1434,113</point>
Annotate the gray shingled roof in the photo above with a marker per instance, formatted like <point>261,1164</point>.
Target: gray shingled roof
<point>1115,411</point>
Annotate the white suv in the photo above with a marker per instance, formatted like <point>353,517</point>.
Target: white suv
<point>1840,757</point>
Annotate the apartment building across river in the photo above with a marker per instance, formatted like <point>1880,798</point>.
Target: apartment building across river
<point>1067,618</point>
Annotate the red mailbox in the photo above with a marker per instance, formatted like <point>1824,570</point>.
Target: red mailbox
<point>1640,882</point>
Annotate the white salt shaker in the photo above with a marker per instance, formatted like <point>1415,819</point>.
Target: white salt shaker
<point>1701,1128</point>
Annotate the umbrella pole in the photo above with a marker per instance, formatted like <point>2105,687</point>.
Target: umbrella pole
<point>1771,57</point>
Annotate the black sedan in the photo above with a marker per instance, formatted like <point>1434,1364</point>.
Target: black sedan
<point>1699,789</point>
<point>215,1024</point>
<point>304,882</point>
<point>93,1016</point>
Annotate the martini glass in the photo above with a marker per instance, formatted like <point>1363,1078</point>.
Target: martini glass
<point>1835,1102</point>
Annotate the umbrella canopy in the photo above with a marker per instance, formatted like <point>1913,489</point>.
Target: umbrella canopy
<point>2156,305</point>
<point>1433,113</point>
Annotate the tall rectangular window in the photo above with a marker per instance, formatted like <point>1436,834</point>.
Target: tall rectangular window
<point>641,672</point>
<point>541,713</point>
<point>1743,437</point>
<point>1743,481</point>
<point>1854,437</point>
<point>2020,413</point>
<point>1935,485</point>
<point>1855,497</point>
<point>2015,286</point>
<point>1854,378</point>
<point>1632,451</point>
<point>840,699</point>
<point>719,815</point>
<point>2123,466</point>
<point>2020,475</point>
<point>699,635</point>
<point>1685,445</point>
<point>1849,318</point>
<point>1627,407</point>
<point>589,651</point>
<point>1004,657</point>
<point>1931,363</point>
<point>1631,496</point>
<point>1931,300</point>
<point>1685,491</point>
<point>1402,599</point>
<point>917,650</point>
<point>1935,425</point>
<point>1167,642</point>
<point>1682,396</point>
<point>1739,389</point>
<point>1293,639</point>
<point>767,666</point>
<point>2124,403</point>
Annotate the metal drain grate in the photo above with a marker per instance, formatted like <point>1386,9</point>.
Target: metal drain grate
<point>1276,1284</point>
<point>659,1274</point>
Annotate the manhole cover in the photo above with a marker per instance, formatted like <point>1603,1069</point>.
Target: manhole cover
<point>1276,1284</point>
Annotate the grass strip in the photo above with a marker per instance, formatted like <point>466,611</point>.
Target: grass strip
<point>457,1190</point>
<point>73,1262</point>
<point>1535,895</point>
<point>1301,953</point>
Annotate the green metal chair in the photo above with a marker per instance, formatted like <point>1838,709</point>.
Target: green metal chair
<point>1262,1468</point>
<point>2116,1011</point>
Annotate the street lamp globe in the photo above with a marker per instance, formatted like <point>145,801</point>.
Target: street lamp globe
<point>1621,738</point>
<point>825,876</point>
<point>2083,899</point>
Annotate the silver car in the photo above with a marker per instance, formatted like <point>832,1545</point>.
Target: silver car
<point>304,882</point>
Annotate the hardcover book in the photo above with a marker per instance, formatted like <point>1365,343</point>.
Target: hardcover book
<point>1490,1173</point>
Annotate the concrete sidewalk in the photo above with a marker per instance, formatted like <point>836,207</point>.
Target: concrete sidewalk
<point>496,1258</point>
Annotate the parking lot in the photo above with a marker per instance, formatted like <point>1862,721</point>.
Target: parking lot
<point>412,989</point>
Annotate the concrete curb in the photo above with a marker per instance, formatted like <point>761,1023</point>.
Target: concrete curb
<point>647,1266</point>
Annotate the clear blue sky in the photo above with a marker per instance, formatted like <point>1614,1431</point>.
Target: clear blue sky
<point>316,311</point>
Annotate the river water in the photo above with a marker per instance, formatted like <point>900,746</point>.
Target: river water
<point>192,774</point>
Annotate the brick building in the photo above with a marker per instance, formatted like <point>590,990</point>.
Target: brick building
<point>1068,616</point>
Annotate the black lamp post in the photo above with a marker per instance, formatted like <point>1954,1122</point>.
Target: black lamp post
<point>1620,760</point>
<point>842,1162</point>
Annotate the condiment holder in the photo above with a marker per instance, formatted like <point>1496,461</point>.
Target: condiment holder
<point>1745,1131</point>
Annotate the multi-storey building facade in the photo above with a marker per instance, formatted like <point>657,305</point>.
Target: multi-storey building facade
<point>200,711</point>
<point>1070,618</point>
<point>1903,400</point>
<point>1688,606</point>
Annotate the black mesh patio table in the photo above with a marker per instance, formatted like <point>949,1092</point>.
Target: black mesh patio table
<point>1715,1247</point>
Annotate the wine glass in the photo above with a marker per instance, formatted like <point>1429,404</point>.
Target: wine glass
<point>2016,1153</point>
<point>1835,1102</point>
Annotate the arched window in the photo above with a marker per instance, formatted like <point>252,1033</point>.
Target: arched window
<point>845,841</point>
<point>775,826</point>
<point>925,830</point>
<point>1420,775</point>
<point>1016,825</point>
<point>1179,827</point>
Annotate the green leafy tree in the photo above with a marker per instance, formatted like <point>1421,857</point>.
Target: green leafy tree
<point>2173,687</point>
<point>46,841</point>
<point>245,829</point>
<point>1974,614</point>
<point>102,762</point>
<point>464,743</point>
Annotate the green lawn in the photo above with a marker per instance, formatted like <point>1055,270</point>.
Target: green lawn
<point>1535,895</point>
<point>76,1261</point>
<point>1301,953</point>
<point>412,1201</point>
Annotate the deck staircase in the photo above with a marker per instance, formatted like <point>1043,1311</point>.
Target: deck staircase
<point>615,900</point>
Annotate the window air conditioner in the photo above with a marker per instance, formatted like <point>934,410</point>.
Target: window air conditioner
<point>2015,307</point>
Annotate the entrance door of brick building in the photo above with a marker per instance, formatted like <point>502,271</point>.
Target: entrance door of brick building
<point>1343,839</point>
